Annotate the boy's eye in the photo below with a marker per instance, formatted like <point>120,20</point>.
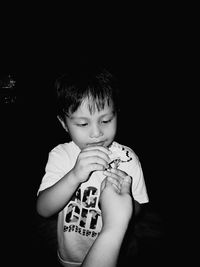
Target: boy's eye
<point>81,124</point>
<point>106,121</point>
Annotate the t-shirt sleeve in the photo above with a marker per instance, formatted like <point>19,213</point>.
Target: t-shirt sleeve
<point>139,190</point>
<point>133,168</point>
<point>58,164</point>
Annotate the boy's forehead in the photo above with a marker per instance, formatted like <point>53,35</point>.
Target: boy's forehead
<point>89,107</point>
<point>94,106</point>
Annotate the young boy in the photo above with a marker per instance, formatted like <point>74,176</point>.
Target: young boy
<point>87,105</point>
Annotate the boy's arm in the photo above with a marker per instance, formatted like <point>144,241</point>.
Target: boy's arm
<point>54,198</point>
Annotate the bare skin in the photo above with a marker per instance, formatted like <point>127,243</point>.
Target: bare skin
<point>117,208</point>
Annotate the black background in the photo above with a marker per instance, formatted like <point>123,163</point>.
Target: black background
<point>144,53</point>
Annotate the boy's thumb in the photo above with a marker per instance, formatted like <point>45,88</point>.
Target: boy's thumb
<point>126,185</point>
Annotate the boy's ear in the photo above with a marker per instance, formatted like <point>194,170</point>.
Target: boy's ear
<point>62,123</point>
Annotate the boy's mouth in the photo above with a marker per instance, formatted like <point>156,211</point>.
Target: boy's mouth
<point>96,144</point>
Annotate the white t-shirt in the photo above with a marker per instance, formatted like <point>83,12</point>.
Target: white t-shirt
<point>80,221</point>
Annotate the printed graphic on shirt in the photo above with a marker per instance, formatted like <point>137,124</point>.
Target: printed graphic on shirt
<point>83,213</point>
<point>119,155</point>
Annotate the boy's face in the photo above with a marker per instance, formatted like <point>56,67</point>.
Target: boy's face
<point>89,129</point>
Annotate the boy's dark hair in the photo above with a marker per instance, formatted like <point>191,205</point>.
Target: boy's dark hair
<point>99,85</point>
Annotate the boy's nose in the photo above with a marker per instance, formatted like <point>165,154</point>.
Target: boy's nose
<point>96,132</point>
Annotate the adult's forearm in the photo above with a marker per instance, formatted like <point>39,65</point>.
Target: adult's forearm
<point>51,200</point>
<point>106,248</point>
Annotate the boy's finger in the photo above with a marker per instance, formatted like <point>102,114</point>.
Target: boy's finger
<point>112,175</point>
<point>106,183</point>
<point>103,185</point>
<point>113,182</point>
<point>100,152</point>
<point>101,148</point>
<point>126,185</point>
<point>118,172</point>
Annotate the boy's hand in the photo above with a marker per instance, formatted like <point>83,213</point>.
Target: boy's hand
<point>94,158</point>
<point>117,177</point>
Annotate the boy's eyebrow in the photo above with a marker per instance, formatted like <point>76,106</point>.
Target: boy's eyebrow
<point>81,118</point>
<point>86,118</point>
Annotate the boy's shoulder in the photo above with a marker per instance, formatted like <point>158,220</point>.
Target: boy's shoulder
<point>116,147</point>
<point>67,148</point>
